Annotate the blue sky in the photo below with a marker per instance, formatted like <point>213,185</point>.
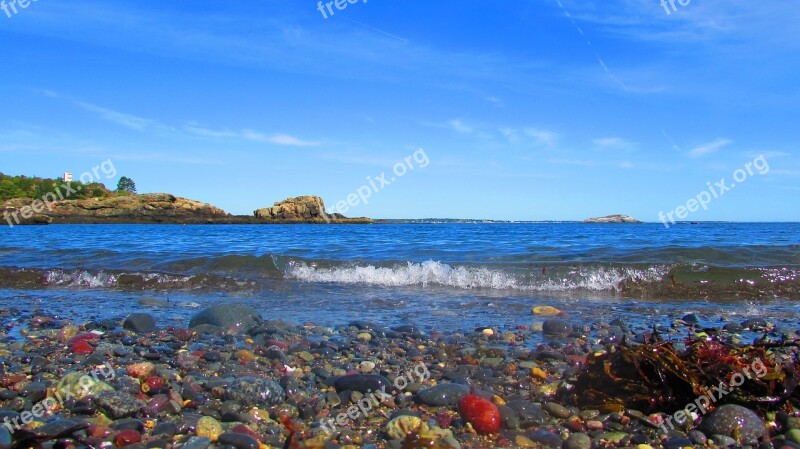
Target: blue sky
<point>526,110</point>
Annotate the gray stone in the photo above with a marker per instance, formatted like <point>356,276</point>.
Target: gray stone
<point>556,328</point>
<point>730,418</point>
<point>578,441</point>
<point>442,395</point>
<point>226,316</point>
<point>117,404</point>
<point>140,323</point>
<point>556,410</point>
<point>255,392</point>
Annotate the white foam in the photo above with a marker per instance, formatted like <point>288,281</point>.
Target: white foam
<point>80,279</point>
<point>436,273</point>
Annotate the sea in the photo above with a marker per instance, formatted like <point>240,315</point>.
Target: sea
<point>444,277</point>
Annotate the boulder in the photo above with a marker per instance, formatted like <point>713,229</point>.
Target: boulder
<point>227,316</point>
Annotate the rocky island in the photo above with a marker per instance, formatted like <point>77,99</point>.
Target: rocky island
<point>612,219</point>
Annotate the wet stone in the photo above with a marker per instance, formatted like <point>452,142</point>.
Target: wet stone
<point>129,423</point>
<point>117,404</point>
<point>196,443</point>
<point>557,410</point>
<point>529,413</point>
<point>34,391</point>
<point>441,395</point>
<point>729,419</point>
<point>254,392</point>
<point>5,438</point>
<point>228,316</point>
<point>140,323</point>
<point>363,383</point>
<point>238,440</point>
<point>546,439</point>
<point>556,328</point>
<point>578,441</point>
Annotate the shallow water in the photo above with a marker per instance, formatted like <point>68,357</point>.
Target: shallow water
<point>444,276</point>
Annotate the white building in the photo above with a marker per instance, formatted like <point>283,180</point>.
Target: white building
<point>67,176</point>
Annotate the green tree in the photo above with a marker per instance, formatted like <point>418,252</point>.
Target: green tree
<point>126,184</point>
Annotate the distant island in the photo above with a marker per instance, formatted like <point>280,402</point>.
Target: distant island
<point>612,219</point>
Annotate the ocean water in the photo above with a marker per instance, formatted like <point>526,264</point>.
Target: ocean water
<point>438,276</point>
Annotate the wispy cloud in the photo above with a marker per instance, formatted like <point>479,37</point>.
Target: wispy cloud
<point>120,118</point>
<point>593,163</point>
<point>541,136</point>
<point>137,123</point>
<point>614,143</point>
<point>458,125</point>
<point>711,147</point>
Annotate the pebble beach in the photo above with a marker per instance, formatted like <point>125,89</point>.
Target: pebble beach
<point>232,378</point>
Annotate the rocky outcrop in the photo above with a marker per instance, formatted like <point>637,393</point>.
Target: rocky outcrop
<point>148,208</point>
<point>303,209</point>
<point>612,219</point>
<point>162,208</point>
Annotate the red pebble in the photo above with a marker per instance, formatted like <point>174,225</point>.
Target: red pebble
<point>126,437</point>
<point>81,347</point>
<point>89,336</point>
<point>241,428</point>
<point>152,383</point>
<point>482,414</point>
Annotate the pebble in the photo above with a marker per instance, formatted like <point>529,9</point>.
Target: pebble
<point>140,323</point>
<point>209,427</point>
<point>366,366</point>
<point>730,418</point>
<point>363,383</point>
<point>441,395</point>
<point>556,328</point>
<point>117,404</point>
<point>255,392</point>
<point>227,316</point>
<point>196,443</point>
<point>557,410</point>
<point>578,441</point>
<point>238,440</point>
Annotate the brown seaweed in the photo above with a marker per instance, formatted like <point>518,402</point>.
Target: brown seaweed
<point>655,377</point>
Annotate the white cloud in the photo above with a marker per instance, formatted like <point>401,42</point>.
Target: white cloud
<point>458,125</point>
<point>284,139</point>
<point>120,118</point>
<point>541,136</point>
<point>614,143</point>
<point>710,147</point>
<point>251,135</point>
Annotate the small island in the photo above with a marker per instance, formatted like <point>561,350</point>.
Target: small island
<point>613,219</point>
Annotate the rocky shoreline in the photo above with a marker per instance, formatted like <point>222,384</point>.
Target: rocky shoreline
<point>231,379</point>
<point>163,208</point>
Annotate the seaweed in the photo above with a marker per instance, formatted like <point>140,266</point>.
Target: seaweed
<point>654,376</point>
